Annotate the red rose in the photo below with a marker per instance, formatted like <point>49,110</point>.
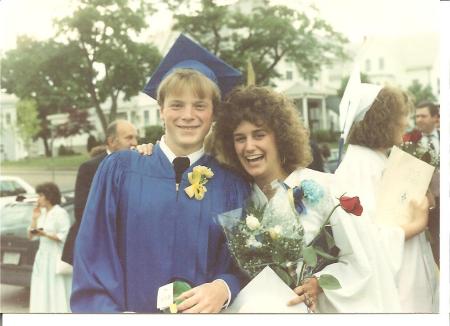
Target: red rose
<point>351,205</point>
<point>413,136</point>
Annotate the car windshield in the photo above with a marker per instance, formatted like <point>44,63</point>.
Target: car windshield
<point>15,214</point>
<point>10,188</point>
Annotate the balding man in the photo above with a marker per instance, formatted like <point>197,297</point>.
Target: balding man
<point>120,134</point>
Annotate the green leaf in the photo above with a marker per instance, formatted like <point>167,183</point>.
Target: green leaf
<point>328,282</point>
<point>285,276</point>
<point>178,288</point>
<point>310,256</point>
<point>322,253</point>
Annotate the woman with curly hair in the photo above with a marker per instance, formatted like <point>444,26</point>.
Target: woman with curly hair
<point>259,133</point>
<point>379,126</point>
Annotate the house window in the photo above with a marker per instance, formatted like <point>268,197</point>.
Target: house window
<point>134,117</point>
<point>146,118</point>
<point>122,115</point>
<point>288,75</point>
<point>158,116</point>
<point>381,63</point>
<point>368,65</point>
<point>8,118</point>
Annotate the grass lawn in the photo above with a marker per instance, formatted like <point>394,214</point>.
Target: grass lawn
<point>47,163</point>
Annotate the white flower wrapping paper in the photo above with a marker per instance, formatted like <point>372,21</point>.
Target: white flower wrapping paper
<point>265,293</point>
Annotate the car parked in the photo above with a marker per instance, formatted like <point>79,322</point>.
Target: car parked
<point>11,187</point>
<point>17,250</point>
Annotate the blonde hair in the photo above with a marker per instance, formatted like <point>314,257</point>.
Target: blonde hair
<point>181,79</point>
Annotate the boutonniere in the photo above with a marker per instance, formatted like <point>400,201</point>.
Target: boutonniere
<point>198,178</point>
<point>308,191</point>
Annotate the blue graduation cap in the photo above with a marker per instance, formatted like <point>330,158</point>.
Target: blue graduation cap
<point>187,54</point>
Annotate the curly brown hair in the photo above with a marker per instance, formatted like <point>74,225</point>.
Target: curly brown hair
<point>263,107</point>
<point>381,122</point>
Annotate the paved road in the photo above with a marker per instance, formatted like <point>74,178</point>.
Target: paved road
<point>64,179</point>
<point>14,299</point>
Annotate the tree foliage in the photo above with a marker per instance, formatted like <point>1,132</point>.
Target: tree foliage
<point>420,92</point>
<point>344,82</point>
<point>42,72</point>
<point>77,123</point>
<point>266,36</point>
<point>152,134</point>
<point>103,34</point>
<point>94,59</point>
<point>27,120</point>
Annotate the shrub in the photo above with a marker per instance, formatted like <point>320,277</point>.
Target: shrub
<point>152,134</point>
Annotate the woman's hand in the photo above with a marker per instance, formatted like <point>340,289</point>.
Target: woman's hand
<point>418,210</point>
<point>307,293</point>
<point>144,149</point>
<point>36,213</point>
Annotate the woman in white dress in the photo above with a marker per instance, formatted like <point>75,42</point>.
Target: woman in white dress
<point>379,125</point>
<point>259,133</point>
<point>50,292</point>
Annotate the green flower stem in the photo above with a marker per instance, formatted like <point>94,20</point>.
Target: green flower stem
<point>327,220</point>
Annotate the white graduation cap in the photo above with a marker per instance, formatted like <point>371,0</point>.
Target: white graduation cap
<point>356,101</point>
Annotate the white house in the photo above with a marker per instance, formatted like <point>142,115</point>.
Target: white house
<point>11,145</point>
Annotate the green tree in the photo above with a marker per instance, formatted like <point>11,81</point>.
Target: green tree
<point>42,72</point>
<point>266,36</point>
<point>103,34</point>
<point>152,134</point>
<point>344,82</point>
<point>420,92</point>
<point>28,122</point>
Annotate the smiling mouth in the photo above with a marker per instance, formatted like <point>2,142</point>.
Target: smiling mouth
<point>188,127</point>
<point>254,158</point>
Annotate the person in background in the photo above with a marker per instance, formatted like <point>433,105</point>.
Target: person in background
<point>50,291</point>
<point>378,124</point>
<point>120,134</point>
<point>427,122</point>
<point>317,163</point>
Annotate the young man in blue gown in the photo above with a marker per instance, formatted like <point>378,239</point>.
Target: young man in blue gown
<point>144,226</point>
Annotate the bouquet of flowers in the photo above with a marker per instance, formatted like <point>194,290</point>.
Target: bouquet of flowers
<point>412,145</point>
<point>271,234</point>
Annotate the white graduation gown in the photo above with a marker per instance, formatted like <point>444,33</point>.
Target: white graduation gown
<point>354,269</point>
<point>405,271</point>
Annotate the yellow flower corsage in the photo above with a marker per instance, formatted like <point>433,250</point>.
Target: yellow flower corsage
<point>198,178</point>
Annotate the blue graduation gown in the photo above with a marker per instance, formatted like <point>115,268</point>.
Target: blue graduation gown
<point>138,233</point>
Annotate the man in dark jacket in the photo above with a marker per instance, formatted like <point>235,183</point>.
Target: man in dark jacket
<point>120,134</point>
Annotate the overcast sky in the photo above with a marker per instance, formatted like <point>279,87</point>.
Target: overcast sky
<point>354,18</point>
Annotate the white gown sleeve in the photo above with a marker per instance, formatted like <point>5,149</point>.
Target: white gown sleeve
<point>62,224</point>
